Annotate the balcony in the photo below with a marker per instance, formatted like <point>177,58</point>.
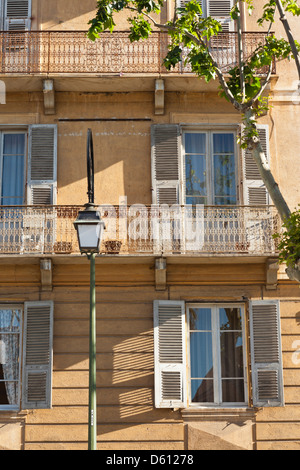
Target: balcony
<point>143,230</point>
<point>71,52</point>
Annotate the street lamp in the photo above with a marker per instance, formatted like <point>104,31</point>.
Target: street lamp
<point>89,227</point>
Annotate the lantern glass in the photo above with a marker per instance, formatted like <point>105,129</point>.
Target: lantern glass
<point>89,228</point>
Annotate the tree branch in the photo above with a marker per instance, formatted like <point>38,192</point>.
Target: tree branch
<point>289,34</point>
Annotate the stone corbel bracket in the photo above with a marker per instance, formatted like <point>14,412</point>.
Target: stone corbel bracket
<point>46,274</point>
<point>159,96</point>
<point>272,267</point>
<point>49,96</point>
<point>160,274</point>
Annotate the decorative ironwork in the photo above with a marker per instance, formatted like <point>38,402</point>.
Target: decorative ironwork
<point>51,52</point>
<point>139,229</point>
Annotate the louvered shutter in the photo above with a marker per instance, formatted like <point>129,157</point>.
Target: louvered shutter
<point>42,164</point>
<point>37,355</point>
<point>254,189</point>
<point>169,354</point>
<point>166,165</point>
<point>266,356</point>
<point>220,10</point>
<point>17,15</point>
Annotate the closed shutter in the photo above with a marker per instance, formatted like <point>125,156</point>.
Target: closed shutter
<point>254,189</point>
<point>166,165</point>
<point>266,356</point>
<point>42,164</point>
<point>17,15</point>
<point>169,354</point>
<point>37,355</point>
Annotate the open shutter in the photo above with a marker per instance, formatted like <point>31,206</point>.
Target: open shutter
<point>37,355</point>
<point>42,164</point>
<point>17,15</point>
<point>266,356</point>
<point>254,189</point>
<point>169,354</point>
<point>165,161</point>
<point>220,10</point>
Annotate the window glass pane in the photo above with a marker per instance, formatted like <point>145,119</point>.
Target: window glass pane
<point>231,354</point>
<point>13,169</point>
<point>224,180</point>
<point>195,143</point>
<point>202,391</point>
<point>195,174</point>
<point>224,176</point>
<point>223,143</point>
<point>201,355</point>
<point>9,356</point>
<point>196,200</point>
<point>233,391</point>
<point>230,318</point>
<point>200,319</point>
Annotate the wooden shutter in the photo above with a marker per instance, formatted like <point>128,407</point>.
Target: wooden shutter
<point>169,354</point>
<point>37,355</point>
<point>17,15</point>
<point>42,164</point>
<point>266,356</point>
<point>254,189</point>
<point>220,10</point>
<point>166,165</point>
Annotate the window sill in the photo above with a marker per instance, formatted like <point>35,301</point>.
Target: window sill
<point>214,413</point>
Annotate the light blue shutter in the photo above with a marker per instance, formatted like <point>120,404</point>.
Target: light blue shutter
<point>266,355</point>
<point>42,164</point>
<point>37,355</point>
<point>255,191</point>
<point>166,165</point>
<point>17,15</point>
<point>169,354</point>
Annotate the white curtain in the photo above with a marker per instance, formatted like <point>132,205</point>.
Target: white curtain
<point>9,352</point>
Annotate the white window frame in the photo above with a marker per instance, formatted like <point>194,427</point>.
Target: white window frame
<point>210,131</point>
<point>21,308</point>
<point>14,131</point>
<point>216,355</point>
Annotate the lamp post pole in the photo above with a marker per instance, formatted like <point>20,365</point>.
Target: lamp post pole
<point>92,435</point>
<point>89,227</point>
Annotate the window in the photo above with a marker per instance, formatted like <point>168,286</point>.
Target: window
<point>216,354</point>
<point>204,165</point>
<point>28,368</point>
<point>10,335</point>
<point>209,341</point>
<point>210,168</point>
<point>29,180</point>
<point>13,166</point>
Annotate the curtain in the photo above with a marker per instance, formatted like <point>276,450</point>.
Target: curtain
<point>13,169</point>
<point>224,169</point>
<point>195,168</point>
<point>9,352</point>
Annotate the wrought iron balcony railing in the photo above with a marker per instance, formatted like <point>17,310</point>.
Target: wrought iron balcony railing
<point>65,52</point>
<point>143,230</point>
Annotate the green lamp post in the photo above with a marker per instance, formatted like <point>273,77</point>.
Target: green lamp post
<point>89,227</point>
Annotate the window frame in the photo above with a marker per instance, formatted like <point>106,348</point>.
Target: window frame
<point>16,130</point>
<point>209,132</point>
<point>216,355</point>
<point>17,406</point>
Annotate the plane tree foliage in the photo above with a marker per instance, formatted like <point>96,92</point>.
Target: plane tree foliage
<point>243,85</point>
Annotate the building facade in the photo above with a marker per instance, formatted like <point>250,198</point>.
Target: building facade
<point>198,327</point>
